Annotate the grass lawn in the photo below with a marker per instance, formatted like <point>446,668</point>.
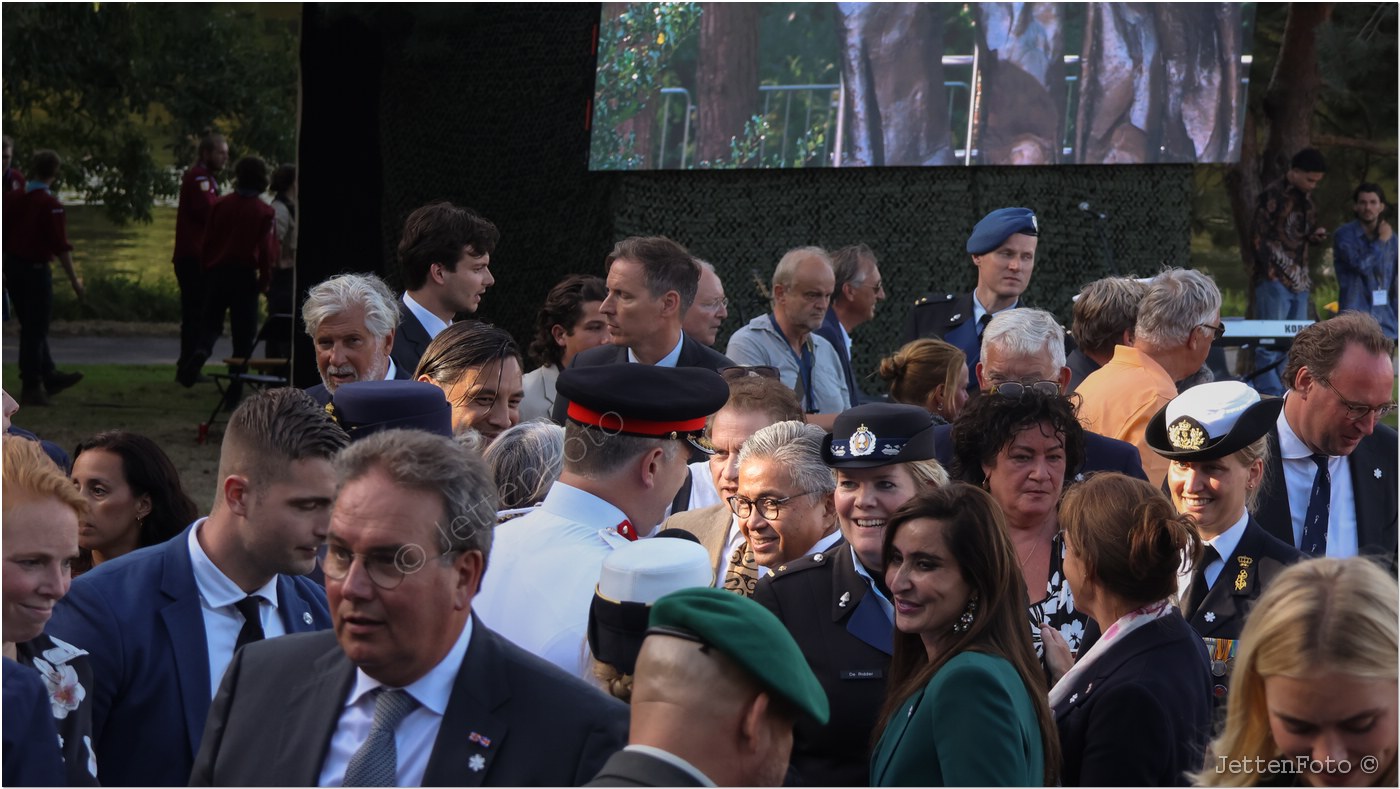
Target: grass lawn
<point>140,398</point>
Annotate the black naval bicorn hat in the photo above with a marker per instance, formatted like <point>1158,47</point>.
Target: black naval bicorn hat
<point>879,434</point>
<point>645,400</point>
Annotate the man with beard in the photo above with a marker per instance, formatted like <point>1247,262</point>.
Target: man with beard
<point>1364,255</point>
<point>351,320</point>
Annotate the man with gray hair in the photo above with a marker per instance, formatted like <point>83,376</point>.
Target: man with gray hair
<point>351,319</point>
<point>1026,348</point>
<point>1177,321</point>
<point>786,338</point>
<point>410,689</point>
<point>710,308</point>
<point>859,290</point>
<point>784,501</point>
<point>626,444</point>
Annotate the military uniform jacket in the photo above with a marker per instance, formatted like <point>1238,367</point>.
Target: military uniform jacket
<point>947,317</point>
<point>1248,571</point>
<point>847,640</point>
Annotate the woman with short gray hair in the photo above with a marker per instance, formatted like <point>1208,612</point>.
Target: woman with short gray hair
<point>525,461</point>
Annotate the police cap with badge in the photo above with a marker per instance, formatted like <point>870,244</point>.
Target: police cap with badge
<point>1212,421</point>
<point>879,434</point>
<point>747,634</point>
<point>367,407</point>
<point>645,400</point>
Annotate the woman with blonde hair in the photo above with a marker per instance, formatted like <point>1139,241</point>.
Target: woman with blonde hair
<point>928,373</point>
<point>1314,691</point>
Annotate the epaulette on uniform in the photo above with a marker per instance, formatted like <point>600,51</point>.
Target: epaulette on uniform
<point>933,299</point>
<point>820,559</point>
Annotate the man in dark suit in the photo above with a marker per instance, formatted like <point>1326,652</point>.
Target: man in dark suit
<point>1329,486</point>
<point>351,319</point>
<point>721,659</point>
<point>162,623</point>
<point>445,257</point>
<point>410,689</point>
<point>1027,346</point>
<point>652,282</point>
<point>1002,246</point>
<point>858,290</point>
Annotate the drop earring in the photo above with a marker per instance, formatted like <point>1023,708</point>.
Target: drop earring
<point>965,621</point>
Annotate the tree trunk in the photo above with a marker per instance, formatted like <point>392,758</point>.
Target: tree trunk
<point>726,76</point>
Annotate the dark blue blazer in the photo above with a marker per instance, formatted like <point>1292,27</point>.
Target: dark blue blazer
<point>831,331</point>
<point>31,754</point>
<point>140,620</point>
<point>1101,453</point>
<point>1141,714</point>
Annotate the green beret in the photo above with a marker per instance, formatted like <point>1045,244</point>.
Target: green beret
<point>748,634</point>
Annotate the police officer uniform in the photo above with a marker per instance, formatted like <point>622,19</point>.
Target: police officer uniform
<point>950,317</point>
<point>838,611</point>
<point>545,564</point>
<point>1208,422</point>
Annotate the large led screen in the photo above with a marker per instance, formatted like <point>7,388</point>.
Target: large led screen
<point>744,85</point>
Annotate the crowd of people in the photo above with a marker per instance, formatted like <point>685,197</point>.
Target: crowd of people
<point>1039,560</point>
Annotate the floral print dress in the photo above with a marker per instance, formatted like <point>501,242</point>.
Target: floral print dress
<point>1057,608</point>
<point>67,677</point>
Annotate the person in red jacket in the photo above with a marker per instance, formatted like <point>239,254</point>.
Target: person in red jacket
<point>198,190</point>
<point>35,233</point>
<point>240,250</point>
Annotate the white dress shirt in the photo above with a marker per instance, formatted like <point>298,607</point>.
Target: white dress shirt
<point>416,733</point>
<point>1299,471</point>
<point>544,566</point>
<point>222,622</point>
<point>885,604</point>
<point>669,360</point>
<point>702,486</point>
<point>432,324</point>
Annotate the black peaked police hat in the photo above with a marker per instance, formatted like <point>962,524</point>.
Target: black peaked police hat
<point>366,407</point>
<point>879,434</point>
<point>645,400</point>
<point>1212,421</point>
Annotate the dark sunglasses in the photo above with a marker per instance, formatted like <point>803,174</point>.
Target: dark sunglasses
<point>1015,390</point>
<point>759,370</point>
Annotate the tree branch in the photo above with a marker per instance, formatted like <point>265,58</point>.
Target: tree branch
<point>1370,146</point>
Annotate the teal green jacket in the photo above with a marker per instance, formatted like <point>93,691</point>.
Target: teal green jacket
<point>973,725</point>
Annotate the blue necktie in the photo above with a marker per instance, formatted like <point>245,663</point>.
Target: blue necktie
<point>1314,541</point>
<point>376,762</point>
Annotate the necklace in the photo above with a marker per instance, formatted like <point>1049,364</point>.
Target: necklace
<point>1030,556</point>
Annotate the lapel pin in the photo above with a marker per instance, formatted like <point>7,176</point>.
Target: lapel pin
<point>845,598</point>
<point>1073,698</point>
<point>1377,472</point>
<point>955,318</point>
<point>1088,688</point>
<point>484,742</point>
<point>1210,616</point>
<point>476,763</point>
<point>306,617</point>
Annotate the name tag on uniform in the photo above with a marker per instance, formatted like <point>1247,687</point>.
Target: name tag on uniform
<point>1379,298</point>
<point>873,673</point>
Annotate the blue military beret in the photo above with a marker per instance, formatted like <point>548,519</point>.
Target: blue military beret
<point>998,226</point>
<point>366,407</point>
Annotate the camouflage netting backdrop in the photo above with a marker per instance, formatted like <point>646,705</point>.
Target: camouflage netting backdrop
<point>485,105</point>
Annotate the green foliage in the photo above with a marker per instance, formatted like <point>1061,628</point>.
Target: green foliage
<point>122,90</point>
<point>633,63</point>
<point>116,296</point>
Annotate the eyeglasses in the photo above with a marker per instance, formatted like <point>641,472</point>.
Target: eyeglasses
<point>1357,411</point>
<point>770,508</point>
<point>1015,390</point>
<point>1219,329</point>
<point>385,571</point>
<point>755,371</point>
<point>716,305</point>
